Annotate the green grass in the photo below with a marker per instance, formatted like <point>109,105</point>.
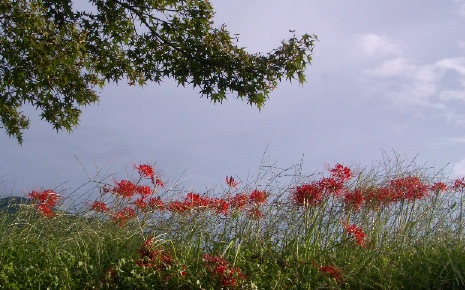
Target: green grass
<point>404,235</point>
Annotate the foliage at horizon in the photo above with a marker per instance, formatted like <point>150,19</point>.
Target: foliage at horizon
<point>55,57</point>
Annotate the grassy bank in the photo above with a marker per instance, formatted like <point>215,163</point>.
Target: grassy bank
<point>394,225</point>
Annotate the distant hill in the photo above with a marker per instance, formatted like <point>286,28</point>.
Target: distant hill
<point>10,203</point>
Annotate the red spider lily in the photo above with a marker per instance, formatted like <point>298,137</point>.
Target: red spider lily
<point>156,203</point>
<point>99,206</point>
<point>195,200</point>
<point>341,173</point>
<point>438,187</point>
<point>125,188</point>
<point>140,203</point>
<point>177,207</point>
<point>231,182</point>
<point>459,184</point>
<point>254,213</point>
<point>332,271</point>
<point>153,259</point>
<point>354,199</point>
<point>158,182</point>
<point>220,267</point>
<point>308,195</point>
<point>332,185</point>
<point>220,205</point>
<point>144,190</point>
<point>45,210</point>
<point>145,170</point>
<point>123,216</point>
<point>239,201</point>
<point>380,196</point>
<point>409,188</point>
<point>45,200</point>
<point>356,232</point>
<point>48,197</point>
<point>258,197</point>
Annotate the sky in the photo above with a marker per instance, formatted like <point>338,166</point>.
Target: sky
<point>386,76</point>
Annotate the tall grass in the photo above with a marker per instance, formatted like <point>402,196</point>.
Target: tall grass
<point>394,225</point>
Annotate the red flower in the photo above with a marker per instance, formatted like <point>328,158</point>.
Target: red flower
<point>125,188</point>
<point>45,201</point>
<point>439,187</point>
<point>341,173</point>
<point>220,205</point>
<point>145,171</point>
<point>255,213</point>
<point>140,203</point>
<point>99,206</point>
<point>409,188</point>
<point>332,185</point>
<point>239,201</point>
<point>157,203</point>
<point>46,210</point>
<point>177,207</point>
<point>48,197</point>
<point>144,190</point>
<point>354,199</point>
<point>158,182</point>
<point>331,271</point>
<point>258,197</point>
<point>307,195</point>
<point>356,232</point>
<point>123,216</point>
<point>459,184</point>
<point>195,200</point>
<point>231,182</point>
<point>220,267</point>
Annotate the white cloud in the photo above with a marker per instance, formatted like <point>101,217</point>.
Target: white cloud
<point>378,46</point>
<point>432,85</point>
<point>458,169</point>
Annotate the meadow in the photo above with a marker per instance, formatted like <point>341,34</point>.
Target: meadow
<point>391,225</point>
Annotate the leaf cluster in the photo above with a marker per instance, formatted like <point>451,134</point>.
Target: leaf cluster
<point>55,57</point>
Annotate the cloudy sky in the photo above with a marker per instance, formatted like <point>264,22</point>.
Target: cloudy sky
<point>386,76</point>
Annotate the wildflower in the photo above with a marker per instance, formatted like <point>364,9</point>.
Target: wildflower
<point>409,188</point>
<point>220,267</point>
<point>46,210</point>
<point>332,185</point>
<point>145,171</point>
<point>45,200</point>
<point>156,203</point>
<point>158,182</point>
<point>144,190</point>
<point>356,232</point>
<point>255,213</point>
<point>177,207</point>
<point>196,200</point>
<point>125,188</point>
<point>354,199</point>
<point>220,205</point>
<point>341,173</point>
<point>438,187</point>
<point>231,182</point>
<point>99,206</point>
<point>239,201</point>
<point>123,216</point>
<point>331,271</point>
<point>258,197</point>
<point>140,203</point>
<point>307,194</point>
<point>48,197</point>
<point>459,184</point>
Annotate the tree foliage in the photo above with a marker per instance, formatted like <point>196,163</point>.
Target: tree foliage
<point>55,57</point>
